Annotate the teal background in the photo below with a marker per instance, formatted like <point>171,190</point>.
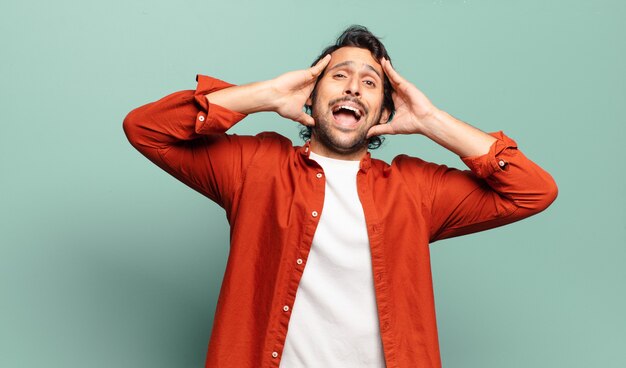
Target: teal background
<point>106,261</point>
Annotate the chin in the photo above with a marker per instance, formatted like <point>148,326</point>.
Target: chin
<point>340,141</point>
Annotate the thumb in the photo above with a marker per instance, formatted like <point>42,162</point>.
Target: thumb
<point>380,129</point>
<point>305,119</point>
<point>317,69</point>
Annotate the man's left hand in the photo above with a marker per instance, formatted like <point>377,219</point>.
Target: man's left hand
<point>413,108</point>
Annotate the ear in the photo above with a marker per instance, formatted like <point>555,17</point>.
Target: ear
<point>384,117</point>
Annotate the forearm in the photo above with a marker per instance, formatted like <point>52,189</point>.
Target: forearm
<point>456,135</point>
<point>286,94</point>
<point>245,99</point>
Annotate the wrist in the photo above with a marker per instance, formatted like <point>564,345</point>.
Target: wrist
<point>266,95</point>
<point>431,121</point>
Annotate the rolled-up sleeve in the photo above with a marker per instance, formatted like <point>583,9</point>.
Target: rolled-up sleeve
<point>502,186</point>
<point>185,135</point>
<point>212,118</point>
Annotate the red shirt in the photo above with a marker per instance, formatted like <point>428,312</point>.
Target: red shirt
<point>273,195</point>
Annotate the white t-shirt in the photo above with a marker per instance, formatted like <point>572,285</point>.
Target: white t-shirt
<point>334,320</point>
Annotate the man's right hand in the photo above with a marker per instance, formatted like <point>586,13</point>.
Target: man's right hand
<point>285,94</point>
<point>291,90</point>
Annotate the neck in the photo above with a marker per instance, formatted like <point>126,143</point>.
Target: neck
<point>322,150</point>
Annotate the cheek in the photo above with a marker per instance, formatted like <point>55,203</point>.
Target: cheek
<point>329,88</point>
<point>376,103</point>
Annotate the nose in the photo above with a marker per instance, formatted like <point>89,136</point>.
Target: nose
<point>352,87</point>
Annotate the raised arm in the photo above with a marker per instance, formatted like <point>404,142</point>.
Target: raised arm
<point>285,95</point>
<point>184,132</point>
<point>502,185</point>
<point>415,114</point>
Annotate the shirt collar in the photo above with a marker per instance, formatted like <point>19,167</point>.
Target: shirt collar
<point>366,161</point>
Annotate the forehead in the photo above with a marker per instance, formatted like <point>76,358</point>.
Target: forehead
<point>358,58</point>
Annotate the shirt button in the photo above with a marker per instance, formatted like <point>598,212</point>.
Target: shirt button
<point>286,308</point>
<point>501,163</point>
<point>201,118</point>
<point>274,354</point>
<point>314,213</point>
<point>319,175</point>
<point>299,261</point>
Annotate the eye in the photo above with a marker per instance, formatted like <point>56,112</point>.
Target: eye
<point>339,75</point>
<point>369,83</point>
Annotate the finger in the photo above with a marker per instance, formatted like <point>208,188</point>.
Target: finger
<point>305,119</point>
<point>319,66</point>
<point>394,77</point>
<point>380,129</point>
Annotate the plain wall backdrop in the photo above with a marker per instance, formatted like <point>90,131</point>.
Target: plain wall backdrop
<point>107,261</point>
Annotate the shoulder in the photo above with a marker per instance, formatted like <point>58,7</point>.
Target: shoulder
<point>408,165</point>
<point>412,172</point>
<point>270,140</point>
<point>274,142</point>
<point>266,146</point>
<point>274,138</point>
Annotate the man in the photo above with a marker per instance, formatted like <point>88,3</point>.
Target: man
<point>329,261</point>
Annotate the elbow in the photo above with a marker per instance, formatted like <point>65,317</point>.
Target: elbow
<point>554,191</point>
<point>132,127</point>
<point>129,125</point>
<point>548,195</point>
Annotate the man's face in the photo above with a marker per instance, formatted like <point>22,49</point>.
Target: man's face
<point>348,101</point>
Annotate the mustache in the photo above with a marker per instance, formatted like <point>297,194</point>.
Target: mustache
<point>348,99</point>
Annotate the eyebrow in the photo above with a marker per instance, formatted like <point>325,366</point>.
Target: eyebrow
<point>350,63</point>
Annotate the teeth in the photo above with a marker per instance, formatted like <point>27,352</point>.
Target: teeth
<point>356,111</point>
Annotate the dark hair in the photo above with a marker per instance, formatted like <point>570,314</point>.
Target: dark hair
<point>359,36</point>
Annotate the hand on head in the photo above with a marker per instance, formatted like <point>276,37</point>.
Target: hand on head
<point>291,91</point>
<point>412,106</point>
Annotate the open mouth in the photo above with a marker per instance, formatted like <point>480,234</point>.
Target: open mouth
<point>347,115</point>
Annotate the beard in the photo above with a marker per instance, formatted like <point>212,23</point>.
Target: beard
<point>335,139</point>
